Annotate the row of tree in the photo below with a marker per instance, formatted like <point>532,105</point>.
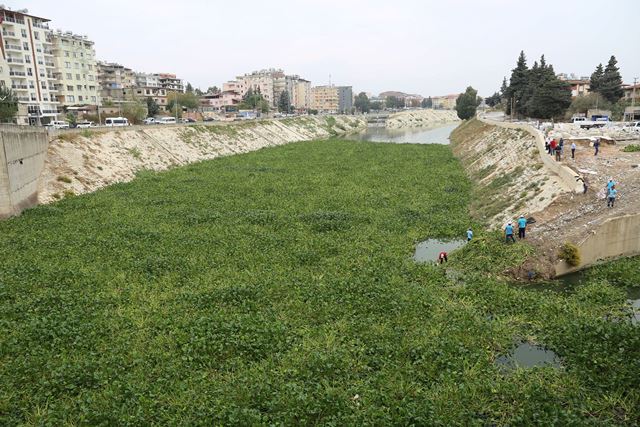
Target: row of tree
<point>538,93</point>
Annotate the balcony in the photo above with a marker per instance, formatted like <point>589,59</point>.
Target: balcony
<point>41,25</point>
<point>19,87</point>
<point>23,98</point>
<point>49,64</point>
<point>11,20</point>
<point>48,52</point>
<point>17,73</point>
<point>8,46</point>
<point>9,34</point>
<point>15,60</point>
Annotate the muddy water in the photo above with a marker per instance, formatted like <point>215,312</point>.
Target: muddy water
<point>430,249</point>
<point>434,135</point>
<point>527,355</point>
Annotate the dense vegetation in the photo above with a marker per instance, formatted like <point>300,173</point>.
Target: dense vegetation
<point>278,287</point>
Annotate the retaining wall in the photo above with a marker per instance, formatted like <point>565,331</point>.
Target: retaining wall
<point>23,151</point>
<point>616,237</point>
<point>566,175</point>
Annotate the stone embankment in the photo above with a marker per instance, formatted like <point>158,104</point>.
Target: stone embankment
<point>510,176</point>
<point>84,161</point>
<point>421,118</point>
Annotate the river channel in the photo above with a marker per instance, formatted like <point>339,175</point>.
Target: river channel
<point>432,135</point>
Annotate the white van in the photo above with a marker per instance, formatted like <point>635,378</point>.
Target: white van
<point>58,124</point>
<point>116,121</point>
<point>166,121</point>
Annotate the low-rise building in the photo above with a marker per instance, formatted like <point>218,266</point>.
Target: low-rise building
<point>632,92</point>
<point>147,80</point>
<point>446,102</point>
<point>27,65</point>
<point>220,102</point>
<point>170,82</point>
<point>115,76</point>
<point>76,70</point>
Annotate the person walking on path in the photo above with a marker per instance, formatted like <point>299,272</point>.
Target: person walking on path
<point>596,145</point>
<point>573,150</point>
<point>469,234</point>
<point>553,144</point>
<point>610,185</point>
<point>558,153</point>
<point>611,199</point>
<point>508,232</point>
<point>547,146</point>
<point>522,227</point>
<point>442,257</point>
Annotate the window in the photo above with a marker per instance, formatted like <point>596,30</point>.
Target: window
<point>90,78</point>
<point>24,33</point>
<point>71,98</point>
<point>66,53</point>
<point>43,85</point>
<point>69,76</point>
<point>67,65</point>
<point>25,45</point>
<point>77,76</point>
<point>27,59</point>
<point>79,98</point>
<point>77,65</point>
<point>70,88</point>
<point>31,84</point>
<point>33,97</point>
<point>36,35</point>
<point>29,72</point>
<point>93,99</point>
<point>79,87</point>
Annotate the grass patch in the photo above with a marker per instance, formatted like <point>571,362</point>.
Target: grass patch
<point>64,179</point>
<point>631,148</point>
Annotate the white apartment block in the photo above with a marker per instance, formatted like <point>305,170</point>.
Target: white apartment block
<point>76,70</point>
<point>300,93</point>
<point>147,80</point>
<point>265,82</point>
<point>271,83</point>
<point>27,65</point>
<point>170,82</point>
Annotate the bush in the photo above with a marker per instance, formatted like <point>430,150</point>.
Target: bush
<point>64,179</point>
<point>570,253</point>
<point>632,148</point>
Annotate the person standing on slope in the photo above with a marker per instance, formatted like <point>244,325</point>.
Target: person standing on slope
<point>442,257</point>
<point>469,234</point>
<point>522,227</point>
<point>573,150</point>
<point>611,199</point>
<point>508,233</point>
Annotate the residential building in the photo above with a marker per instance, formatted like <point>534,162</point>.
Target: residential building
<point>220,102</point>
<point>263,81</point>
<point>447,102</point>
<point>170,82</point>
<point>76,70</point>
<point>114,76</point>
<point>235,86</point>
<point>158,94</point>
<point>27,65</point>
<point>147,80</point>
<point>579,85</point>
<point>301,94</point>
<point>632,92</point>
<point>345,99</point>
<point>325,99</point>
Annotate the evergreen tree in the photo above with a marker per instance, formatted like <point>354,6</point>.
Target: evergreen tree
<point>552,96</point>
<point>493,100</point>
<point>516,92</point>
<point>284,104</point>
<point>152,107</point>
<point>427,102</point>
<point>8,105</point>
<point>467,103</point>
<point>611,84</point>
<point>189,88</point>
<point>596,79</point>
<point>362,102</point>
<point>504,88</point>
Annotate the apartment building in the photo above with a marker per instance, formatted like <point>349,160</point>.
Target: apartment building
<point>332,99</point>
<point>263,81</point>
<point>301,94</point>
<point>237,86</point>
<point>76,70</point>
<point>147,80</point>
<point>27,65</point>
<point>114,76</point>
<point>170,82</point>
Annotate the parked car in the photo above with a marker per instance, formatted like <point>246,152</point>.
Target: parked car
<point>149,121</point>
<point>166,121</point>
<point>84,124</point>
<point>208,119</point>
<point>190,120</point>
<point>116,121</point>
<point>635,126</point>
<point>58,124</point>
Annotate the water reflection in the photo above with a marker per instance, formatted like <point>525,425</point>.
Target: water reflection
<point>434,135</point>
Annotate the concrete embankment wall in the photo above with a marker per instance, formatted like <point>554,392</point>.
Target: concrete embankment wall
<point>22,156</point>
<point>616,237</point>
<point>565,175</point>
<point>421,118</point>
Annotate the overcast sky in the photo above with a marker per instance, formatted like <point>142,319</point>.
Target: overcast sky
<point>416,46</point>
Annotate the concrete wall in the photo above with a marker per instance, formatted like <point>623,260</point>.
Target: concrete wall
<point>566,175</point>
<point>616,237</point>
<point>23,151</point>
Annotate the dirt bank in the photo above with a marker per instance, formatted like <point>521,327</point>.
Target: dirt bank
<point>82,162</point>
<point>506,168</point>
<point>421,118</point>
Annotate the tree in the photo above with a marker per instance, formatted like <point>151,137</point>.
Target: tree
<point>610,86</point>
<point>177,101</point>
<point>596,79</point>
<point>8,105</point>
<point>493,100</point>
<point>72,119</point>
<point>152,107</point>
<point>213,89</point>
<point>518,83</point>
<point>134,111</point>
<point>394,102</point>
<point>362,103</point>
<point>284,103</point>
<point>189,88</point>
<point>582,104</point>
<point>467,103</point>
<point>376,106</point>
<point>546,95</point>
<point>427,103</point>
<point>198,92</point>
